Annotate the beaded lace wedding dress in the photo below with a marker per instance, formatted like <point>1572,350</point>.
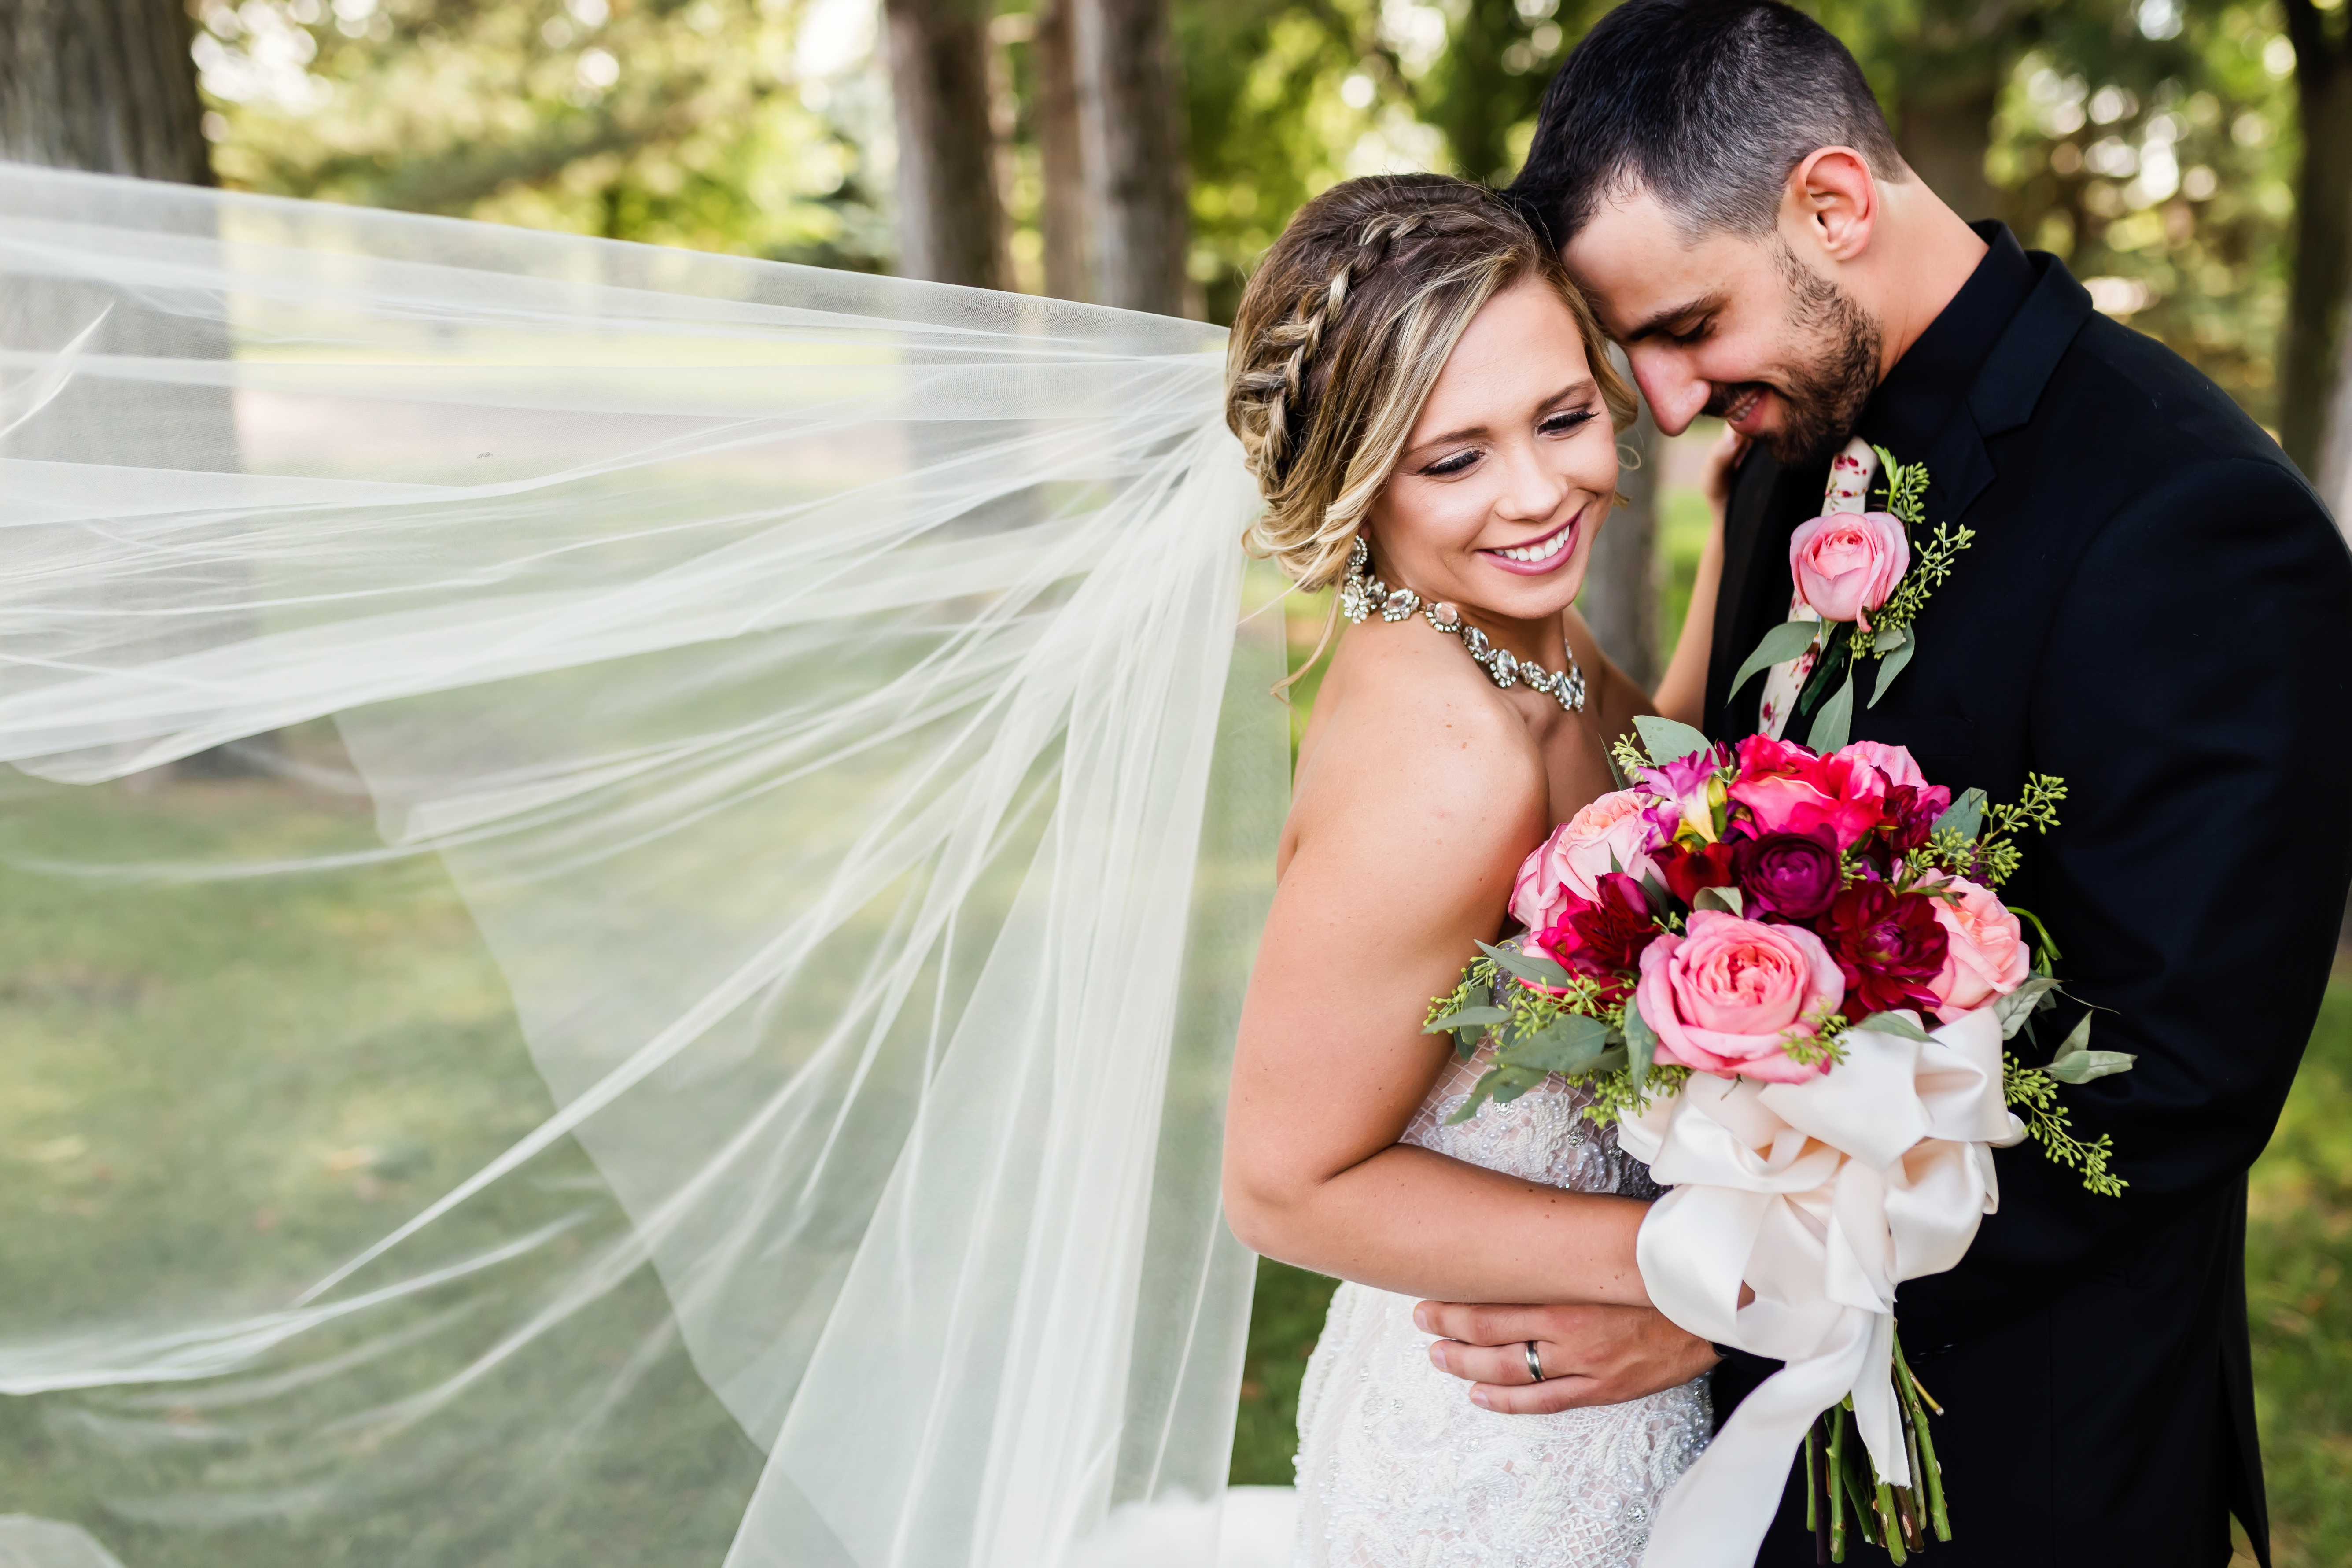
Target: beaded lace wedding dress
<point>1398,1470</point>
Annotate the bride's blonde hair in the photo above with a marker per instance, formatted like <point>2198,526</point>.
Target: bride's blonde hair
<point>1342,333</point>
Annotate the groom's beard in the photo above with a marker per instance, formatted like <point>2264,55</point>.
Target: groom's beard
<point>1822,399</point>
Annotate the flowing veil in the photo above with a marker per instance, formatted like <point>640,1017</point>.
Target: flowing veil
<point>775,770</point>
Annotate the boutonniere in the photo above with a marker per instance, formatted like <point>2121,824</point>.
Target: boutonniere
<point>1861,578</point>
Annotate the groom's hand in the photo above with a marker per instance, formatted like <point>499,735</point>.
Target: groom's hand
<point>1590,1355</point>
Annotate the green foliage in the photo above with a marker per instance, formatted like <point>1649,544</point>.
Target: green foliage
<point>690,122</point>
<point>1931,562</point>
<point>1906,488</point>
<point>2046,1123</point>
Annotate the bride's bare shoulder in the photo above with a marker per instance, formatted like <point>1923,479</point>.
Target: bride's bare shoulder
<point>1412,744</point>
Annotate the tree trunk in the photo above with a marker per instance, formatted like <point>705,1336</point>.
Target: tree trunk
<point>1944,138</point>
<point>1061,165</point>
<point>1621,582</point>
<point>102,85</point>
<point>1131,119</point>
<point>2334,467</point>
<point>949,216</point>
<point>106,86</point>
<point>2322,293</point>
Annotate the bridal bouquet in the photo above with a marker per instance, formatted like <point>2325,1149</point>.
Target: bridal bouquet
<point>1787,978</point>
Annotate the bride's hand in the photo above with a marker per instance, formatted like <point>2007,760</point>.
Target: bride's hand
<point>1590,1355</point>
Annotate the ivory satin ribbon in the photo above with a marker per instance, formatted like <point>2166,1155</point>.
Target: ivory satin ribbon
<point>1822,1196</point>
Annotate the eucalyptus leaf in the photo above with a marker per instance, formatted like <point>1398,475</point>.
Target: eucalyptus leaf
<point>1641,1045</point>
<point>1781,644</point>
<point>1570,1044</point>
<point>1886,639</point>
<point>1667,740</point>
<point>1464,1018</point>
<point>2019,1005</point>
<point>1892,665</point>
<point>1655,892</point>
<point>2083,1066</point>
<point>1730,901</point>
<point>1833,724</point>
<point>2078,1038</point>
<point>1530,966</point>
<point>1896,1024</point>
<point>1964,816</point>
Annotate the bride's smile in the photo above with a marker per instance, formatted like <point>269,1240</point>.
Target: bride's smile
<point>1545,555</point>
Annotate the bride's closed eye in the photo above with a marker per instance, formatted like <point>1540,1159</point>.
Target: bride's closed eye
<point>1566,422</point>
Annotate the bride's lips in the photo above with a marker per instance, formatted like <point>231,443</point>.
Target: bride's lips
<point>1538,556</point>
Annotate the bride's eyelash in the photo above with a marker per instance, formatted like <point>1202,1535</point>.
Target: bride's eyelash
<point>1558,424</point>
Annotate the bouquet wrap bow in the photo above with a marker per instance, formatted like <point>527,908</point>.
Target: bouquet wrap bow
<point>1822,1196</point>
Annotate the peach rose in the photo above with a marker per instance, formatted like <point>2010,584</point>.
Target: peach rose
<point>1725,997</point>
<point>1986,956</point>
<point>1846,563</point>
<point>1571,862</point>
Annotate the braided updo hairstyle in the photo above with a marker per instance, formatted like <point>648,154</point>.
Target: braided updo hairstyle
<point>1341,334</point>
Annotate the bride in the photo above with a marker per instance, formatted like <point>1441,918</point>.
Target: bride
<point>1429,411</point>
<point>706,1046</point>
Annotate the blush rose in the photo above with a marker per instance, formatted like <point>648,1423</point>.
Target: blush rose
<point>1846,563</point>
<point>1985,956</point>
<point>1570,865</point>
<point>1725,997</point>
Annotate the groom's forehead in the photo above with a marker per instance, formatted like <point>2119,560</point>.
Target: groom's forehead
<point>1645,274</point>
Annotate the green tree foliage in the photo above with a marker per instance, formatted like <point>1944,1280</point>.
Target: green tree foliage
<point>691,122</point>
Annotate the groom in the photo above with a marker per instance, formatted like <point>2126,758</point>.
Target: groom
<point>2156,608</point>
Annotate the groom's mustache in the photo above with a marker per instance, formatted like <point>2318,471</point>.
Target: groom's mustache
<point>1725,400</point>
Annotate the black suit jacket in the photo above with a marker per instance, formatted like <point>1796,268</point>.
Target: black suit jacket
<point>2159,609</point>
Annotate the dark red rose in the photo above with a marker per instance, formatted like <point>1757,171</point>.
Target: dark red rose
<point>1790,874</point>
<point>1911,813</point>
<point>1687,868</point>
<point>1889,946</point>
<point>1604,939</point>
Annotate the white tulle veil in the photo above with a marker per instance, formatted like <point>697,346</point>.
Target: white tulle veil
<point>833,711</point>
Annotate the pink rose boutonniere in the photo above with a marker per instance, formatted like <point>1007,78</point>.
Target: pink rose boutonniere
<point>1859,580</point>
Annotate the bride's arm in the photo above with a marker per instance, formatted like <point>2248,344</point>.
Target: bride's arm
<point>1406,850</point>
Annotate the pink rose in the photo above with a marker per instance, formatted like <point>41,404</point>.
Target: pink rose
<point>1986,956</point>
<point>1571,862</point>
<point>1894,761</point>
<point>1846,563</point>
<point>1789,789</point>
<point>1725,998</point>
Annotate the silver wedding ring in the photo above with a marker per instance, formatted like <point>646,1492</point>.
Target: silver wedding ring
<point>1535,1367</point>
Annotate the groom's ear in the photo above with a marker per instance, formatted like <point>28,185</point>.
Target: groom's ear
<point>1832,198</point>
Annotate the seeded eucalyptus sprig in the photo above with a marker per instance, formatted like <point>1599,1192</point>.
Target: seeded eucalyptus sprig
<point>1505,996</point>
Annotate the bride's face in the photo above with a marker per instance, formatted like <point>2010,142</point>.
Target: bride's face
<point>1510,472</point>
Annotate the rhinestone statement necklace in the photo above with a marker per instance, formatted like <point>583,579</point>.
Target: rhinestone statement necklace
<point>1360,595</point>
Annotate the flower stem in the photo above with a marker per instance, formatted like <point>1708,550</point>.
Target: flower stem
<point>1835,1479</point>
<point>1890,1532</point>
<point>1930,1469</point>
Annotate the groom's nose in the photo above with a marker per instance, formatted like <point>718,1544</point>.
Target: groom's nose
<point>1674,394</point>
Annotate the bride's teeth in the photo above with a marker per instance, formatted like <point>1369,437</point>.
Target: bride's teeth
<point>1542,550</point>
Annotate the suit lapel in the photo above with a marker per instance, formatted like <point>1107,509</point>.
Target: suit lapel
<point>2004,394</point>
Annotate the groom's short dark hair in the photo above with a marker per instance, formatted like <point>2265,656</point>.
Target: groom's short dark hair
<point>1705,104</point>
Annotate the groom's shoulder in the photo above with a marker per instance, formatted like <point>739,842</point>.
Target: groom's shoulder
<point>2127,432</point>
<point>2129,388</point>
